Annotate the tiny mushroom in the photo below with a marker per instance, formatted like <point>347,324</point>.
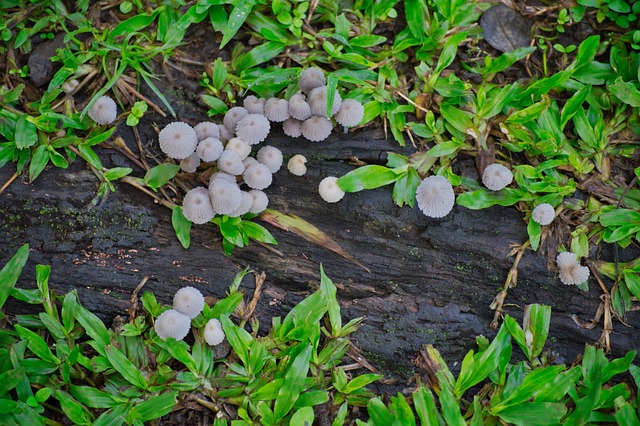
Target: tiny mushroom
<point>570,270</point>
<point>311,78</point>
<point>297,165</point>
<point>435,196</point>
<point>316,128</point>
<point>249,161</point>
<point>233,116</point>
<point>329,190</point>
<point>298,107</point>
<point>257,176</point>
<point>276,109</point>
<point>213,332</point>
<point>254,105</point>
<point>172,323</point>
<point>350,113</point>
<point>178,140</point>
<point>222,176</point>
<point>207,129</point>
<point>225,134</point>
<point>496,176</point>
<point>104,110</point>
<point>253,129</point>
<point>318,102</point>
<point>196,206</point>
<point>240,147</point>
<point>271,157</point>
<point>260,201</point>
<point>543,214</point>
<point>245,205</point>
<point>230,162</point>
<point>225,196</point>
<point>209,149</point>
<point>190,164</point>
<point>291,127</point>
<point>189,301</point>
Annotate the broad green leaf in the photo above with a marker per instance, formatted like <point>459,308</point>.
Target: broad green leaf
<point>181,226</point>
<point>9,379</point>
<point>25,133</point>
<point>457,118</point>
<point>404,190</point>
<point>302,417</point>
<point>115,416</point>
<point>533,383</point>
<point>633,282</point>
<point>39,159</point>
<point>293,383</point>
<point>257,232</point>
<point>482,198</point>
<point>573,105</point>
<point>626,92</point>
<point>125,367</point>
<point>217,106</point>
<point>258,55</point>
<point>447,55</point>
<point>131,25</point>
<point>89,155</point>
<point>619,217</point>
<point>497,100</point>
<point>179,350</point>
<point>227,305</point>
<point>361,381</point>
<point>160,174</point>
<point>415,12</point>
<point>626,414</point>
<point>94,328</point>
<point>402,411</point>
<point>378,413</point>
<point>445,148</point>
<point>53,325</point>
<point>425,406</point>
<point>367,40</point>
<point>237,17</point>
<point>154,407</point>
<point>535,233</point>
<point>507,59</point>
<point>238,338</point>
<point>36,344</point>
<point>11,271</point>
<point>451,408</point>
<point>367,177</point>
<point>77,413</point>
<point>95,398</point>
<point>341,415</point>
<point>538,413</point>
<point>117,172</point>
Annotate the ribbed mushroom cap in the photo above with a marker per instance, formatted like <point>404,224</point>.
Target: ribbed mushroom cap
<point>209,149</point>
<point>257,176</point>
<point>496,176</point>
<point>104,110</point>
<point>230,162</point>
<point>178,140</point>
<point>543,214</point>
<point>271,157</point>
<point>297,165</point>
<point>223,176</point>
<point>245,205</point>
<point>196,206</point>
<point>311,78</point>
<point>298,107</point>
<point>254,105</point>
<point>225,134</point>
<point>172,323</point>
<point>260,201</point>
<point>253,129</point>
<point>329,190</point>
<point>213,332</point>
<point>240,147</point>
<point>233,116</point>
<point>207,129</point>
<point>318,101</point>
<point>276,109</point>
<point>316,128</point>
<point>188,301</point>
<point>292,127</point>
<point>249,161</point>
<point>435,196</point>
<point>350,114</point>
<point>570,270</point>
<point>225,196</point>
<point>190,164</point>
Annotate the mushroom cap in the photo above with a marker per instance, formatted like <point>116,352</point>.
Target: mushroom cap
<point>239,146</point>
<point>291,127</point>
<point>271,157</point>
<point>209,149</point>
<point>316,128</point>
<point>104,110</point>
<point>196,206</point>
<point>350,114</point>
<point>311,78</point>
<point>225,134</point>
<point>172,323</point>
<point>329,190</point>
<point>225,196</point>
<point>188,301</point>
<point>260,201</point>
<point>253,129</point>
<point>276,109</point>
<point>233,116</point>
<point>570,270</point>
<point>249,161</point>
<point>190,164</point>
<point>318,102</point>
<point>298,107</point>
<point>543,214</point>
<point>297,165</point>
<point>178,140</point>
<point>222,176</point>
<point>207,129</point>
<point>254,104</point>
<point>245,205</point>
<point>435,196</point>
<point>213,332</point>
<point>230,162</point>
<point>257,176</point>
<point>496,176</point>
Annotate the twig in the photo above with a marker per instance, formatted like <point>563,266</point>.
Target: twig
<point>406,98</point>
<point>511,281</point>
<point>8,182</point>
<point>141,96</point>
<point>133,308</point>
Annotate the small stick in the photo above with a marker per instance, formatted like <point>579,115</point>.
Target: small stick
<point>511,281</point>
<point>8,182</point>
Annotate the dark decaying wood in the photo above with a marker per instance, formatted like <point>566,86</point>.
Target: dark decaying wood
<point>430,281</point>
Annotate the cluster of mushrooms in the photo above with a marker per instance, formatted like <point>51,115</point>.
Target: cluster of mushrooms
<point>188,302</point>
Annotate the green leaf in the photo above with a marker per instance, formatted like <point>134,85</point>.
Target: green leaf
<point>367,177</point>
<point>619,217</point>
<point>258,55</point>
<point>507,59</point>
<point>367,40</point>
<point>11,271</point>
<point>181,226</point>
<point>535,233</point>
<point>341,415</point>
<point>425,406</point>
<point>361,381</point>
<point>257,232</point>
<point>117,173</point>
<point>73,409</point>
<point>125,367</point>
<point>457,118</point>
<point>404,190</point>
<point>450,408</point>
<point>416,17</point>
<point>89,155</point>
<point>160,174</point>
<point>95,398</point>
<point>179,350</point>
<point>53,325</point>
<point>94,328</point>
<point>626,92</point>
<point>238,338</point>
<point>573,104</point>
<point>538,413</point>
<point>293,384</point>
<point>482,198</point>
<point>378,413</point>
<point>154,407</point>
<point>303,417</point>
<point>37,345</point>
<point>39,160</point>
<point>10,379</point>
<point>25,133</point>
<point>447,55</point>
<point>238,15</point>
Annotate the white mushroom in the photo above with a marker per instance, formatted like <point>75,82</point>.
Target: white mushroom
<point>435,196</point>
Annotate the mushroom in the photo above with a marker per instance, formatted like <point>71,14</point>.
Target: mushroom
<point>248,162</point>
<point>435,196</point>
<point>311,78</point>
<point>316,128</point>
<point>233,116</point>
<point>253,129</point>
<point>257,176</point>
<point>207,129</point>
<point>254,105</point>
<point>271,157</point>
<point>225,134</point>
<point>260,201</point>
<point>104,110</point>
<point>230,162</point>
<point>188,301</point>
<point>296,165</point>
<point>222,176</point>
<point>178,140</point>
<point>571,272</point>
<point>209,149</point>
<point>329,190</point>
<point>190,164</point>
<point>213,332</point>
<point>225,196</point>
<point>276,109</point>
<point>496,176</point>
<point>318,102</point>
<point>543,214</point>
<point>245,205</point>
<point>172,323</point>
<point>240,147</point>
<point>196,206</point>
<point>298,107</point>
<point>350,113</point>
<point>291,127</point>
